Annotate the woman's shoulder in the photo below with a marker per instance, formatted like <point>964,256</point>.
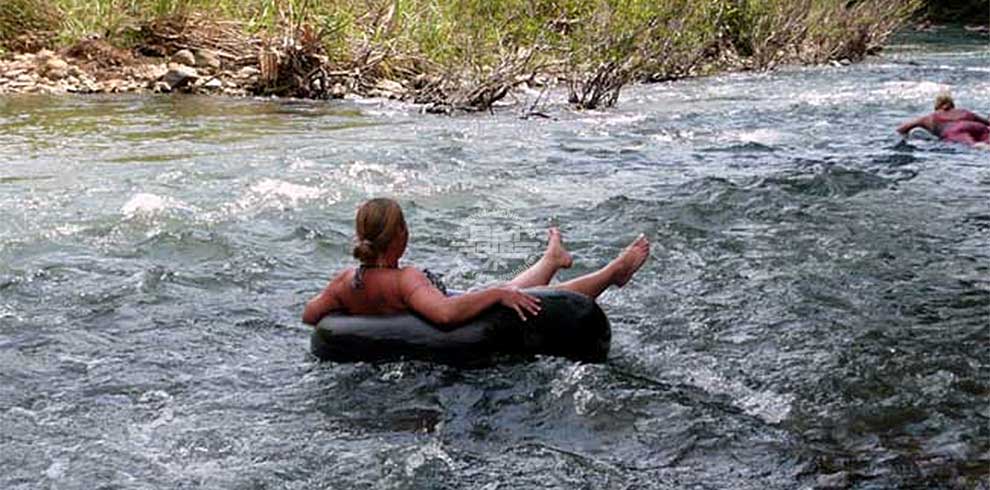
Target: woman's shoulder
<point>954,115</point>
<point>411,277</point>
<point>341,279</point>
<point>344,274</point>
<point>410,272</point>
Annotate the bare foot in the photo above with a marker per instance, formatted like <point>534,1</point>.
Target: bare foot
<point>630,260</point>
<point>556,252</point>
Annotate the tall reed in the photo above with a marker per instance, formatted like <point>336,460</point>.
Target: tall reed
<point>472,50</point>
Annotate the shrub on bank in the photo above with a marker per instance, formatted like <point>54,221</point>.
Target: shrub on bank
<point>963,11</point>
<point>471,53</point>
<point>28,25</point>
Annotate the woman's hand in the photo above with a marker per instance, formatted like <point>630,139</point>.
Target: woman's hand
<point>514,298</point>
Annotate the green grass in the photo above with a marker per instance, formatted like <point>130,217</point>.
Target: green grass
<point>474,42</point>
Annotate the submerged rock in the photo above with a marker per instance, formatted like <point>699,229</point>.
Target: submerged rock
<point>833,480</point>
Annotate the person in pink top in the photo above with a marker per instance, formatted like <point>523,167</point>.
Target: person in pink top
<point>380,286</point>
<point>951,124</point>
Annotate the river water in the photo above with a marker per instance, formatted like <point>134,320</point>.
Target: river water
<point>816,311</point>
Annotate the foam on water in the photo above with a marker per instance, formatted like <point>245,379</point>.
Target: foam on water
<point>279,190</point>
<point>272,194</point>
<point>914,90</point>
<point>765,404</point>
<point>146,205</point>
<point>765,136</point>
<point>8,312</point>
<point>607,119</point>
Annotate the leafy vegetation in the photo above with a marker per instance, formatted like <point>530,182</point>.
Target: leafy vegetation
<point>965,11</point>
<point>471,53</point>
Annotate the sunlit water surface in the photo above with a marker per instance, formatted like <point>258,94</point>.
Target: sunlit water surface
<point>815,312</point>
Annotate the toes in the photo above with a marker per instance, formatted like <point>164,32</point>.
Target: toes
<point>643,243</point>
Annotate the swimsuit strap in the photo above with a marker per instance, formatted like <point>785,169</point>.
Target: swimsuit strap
<point>358,281</point>
<point>436,280</point>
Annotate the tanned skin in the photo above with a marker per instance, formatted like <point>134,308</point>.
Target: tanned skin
<point>951,124</point>
<point>390,289</point>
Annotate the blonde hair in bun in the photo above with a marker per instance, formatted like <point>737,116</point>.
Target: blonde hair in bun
<point>378,222</point>
<point>364,251</point>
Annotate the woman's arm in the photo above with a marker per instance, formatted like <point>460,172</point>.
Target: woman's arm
<point>921,122</point>
<point>978,118</point>
<point>322,304</point>
<point>421,297</point>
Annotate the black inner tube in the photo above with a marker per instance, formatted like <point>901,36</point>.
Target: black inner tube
<point>569,325</point>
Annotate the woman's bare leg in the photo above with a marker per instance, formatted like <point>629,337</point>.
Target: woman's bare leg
<point>618,272</point>
<point>554,258</point>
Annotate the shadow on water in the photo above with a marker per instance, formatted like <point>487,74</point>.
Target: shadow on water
<point>829,180</point>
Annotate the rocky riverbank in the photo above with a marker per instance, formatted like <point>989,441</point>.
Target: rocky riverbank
<point>445,55</point>
<point>104,69</point>
<point>96,67</point>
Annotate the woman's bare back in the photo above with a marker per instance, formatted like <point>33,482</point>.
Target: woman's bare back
<point>385,291</point>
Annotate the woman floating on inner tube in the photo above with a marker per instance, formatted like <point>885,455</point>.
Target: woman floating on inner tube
<point>951,124</point>
<point>378,286</point>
